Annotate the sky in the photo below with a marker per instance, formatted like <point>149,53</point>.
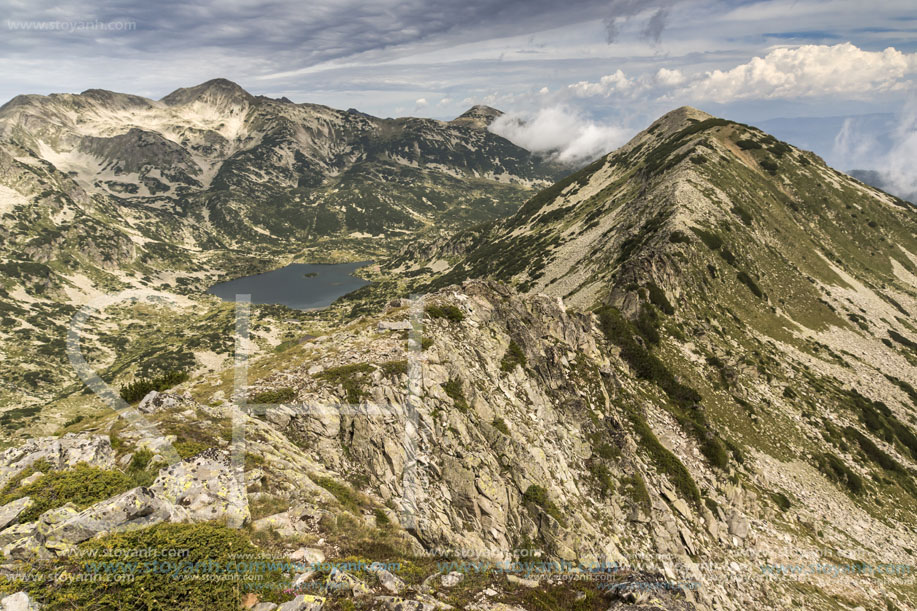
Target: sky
<point>577,78</point>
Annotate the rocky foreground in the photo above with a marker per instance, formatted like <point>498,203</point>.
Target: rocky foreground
<point>503,463</point>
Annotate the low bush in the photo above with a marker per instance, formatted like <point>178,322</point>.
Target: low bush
<point>277,395</point>
<point>500,425</point>
<point>138,389</point>
<point>351,378</point>
<point>835,469</point>
<point>453,388</point>
<point>747,280</point>
<point>514,356</point>
<point>82,485</point>
<point>658,299</point>
<point>710,240</point>
<point>449,312</point>
<point>537,495</point>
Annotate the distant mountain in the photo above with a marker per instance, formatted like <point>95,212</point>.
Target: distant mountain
<point>479,117</point>
<point>103,191</point>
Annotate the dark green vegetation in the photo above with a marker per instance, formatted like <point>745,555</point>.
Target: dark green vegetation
<point>514,356</point>
<point>537,495</point>
<point>138,389</point>
<point>207,544</point>
<point>352,378</point>
<point>453,389</point>
<point>447,311</point>
<point>838,471</point>
<point>82,485</point>
<point>277,395</point>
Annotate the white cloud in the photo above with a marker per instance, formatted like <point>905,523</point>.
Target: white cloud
<point>562,133</point>
<point>420,102</point>
<point>808,71</point>
<point>607,85</point>
<point>899,162</point>
<point>669,78</point>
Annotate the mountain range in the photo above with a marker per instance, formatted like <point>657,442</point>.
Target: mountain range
<point>687,369</point>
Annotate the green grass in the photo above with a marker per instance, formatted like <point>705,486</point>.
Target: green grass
<point>350,499</point>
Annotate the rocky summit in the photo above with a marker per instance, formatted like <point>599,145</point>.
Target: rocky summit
<point>682,377</point>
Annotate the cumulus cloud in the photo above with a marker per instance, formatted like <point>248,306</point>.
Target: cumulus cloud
<point>898,166</point>
<point>605,86</point>
<point>562,133</point>
<point>808,71</point>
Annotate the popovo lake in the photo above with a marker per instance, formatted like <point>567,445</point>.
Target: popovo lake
<point>300,286</point>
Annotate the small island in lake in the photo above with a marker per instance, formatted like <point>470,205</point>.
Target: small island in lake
<point>310,275</point>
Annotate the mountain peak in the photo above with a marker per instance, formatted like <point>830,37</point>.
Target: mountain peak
<point>217,92</point>
<point>478,116</point>
<point>678,119</point>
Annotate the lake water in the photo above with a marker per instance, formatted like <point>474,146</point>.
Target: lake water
<point>300,286</point>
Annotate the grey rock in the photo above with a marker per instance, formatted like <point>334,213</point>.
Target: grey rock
<point>451,579</point>
<point>19,601</point>
<point>303,602</point>
<point>206,488</point>
<point>132,509</point>
<point>522,581</point>
<point>386,579</point>
<point>398,325</point>
<point>264,607</point>
<point>309,555</point>
<point>10,512</point>
<point>60,452</point>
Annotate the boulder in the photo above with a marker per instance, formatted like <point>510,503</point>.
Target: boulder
<point>60,452</point>
<point>206,488</point>
<point>135,508</point>
<point>10,512</point>
<point>303,602</point>
<point>19,601</point>
<point>396,325</point>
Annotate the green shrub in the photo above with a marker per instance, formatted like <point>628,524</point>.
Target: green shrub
<point>742,213</point>
<point>909,390</point>
<point>747,281</point>
<point>639,494</point>
<point>677,237</point>
<point>781,501</point>
<point>537,495</point>
<point>747,145</point>
<point>715,453</point>
<point>658,299</point>
<point>394,368</point>
<point>138,389</point>
<point>873,452</point>
<point>449,312</point>
<point>205,542</point>
<point>82,485</point>
<point>602,476</point>
<point>710,240</point>
<point>426,342</point>
<point>500,425</point>
<point>769,166</point>
<point>514,356</point>
<point>619,331</point>
<point>835,469</point>
<point>453,389</point>
<point>665,461</point>
<point>277,395</point>
<point>350,499</point>
<point>186,448</point>
<point>608,451</point>
<point>727,256</point>
<point>351,378</point>
<point>646,323</point>
<point>902,340</point>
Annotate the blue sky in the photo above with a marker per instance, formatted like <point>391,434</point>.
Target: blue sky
<point>584,74</point>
